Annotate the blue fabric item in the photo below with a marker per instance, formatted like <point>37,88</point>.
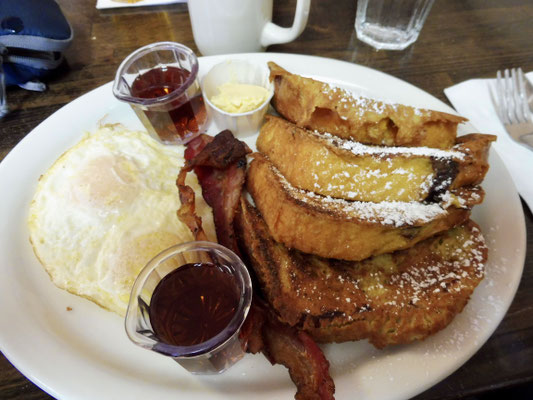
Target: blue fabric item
<point>34,24</point>
<point>33,35</point>
<point>19,74</point>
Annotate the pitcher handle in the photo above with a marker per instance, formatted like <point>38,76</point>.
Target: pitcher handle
<point>274,34</point>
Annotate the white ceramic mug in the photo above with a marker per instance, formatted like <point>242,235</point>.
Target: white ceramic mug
<point>241,26</point>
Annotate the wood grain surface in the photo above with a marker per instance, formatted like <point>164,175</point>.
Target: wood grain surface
<point>460,40</point>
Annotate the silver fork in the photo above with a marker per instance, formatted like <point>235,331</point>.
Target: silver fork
<point>512,105</point>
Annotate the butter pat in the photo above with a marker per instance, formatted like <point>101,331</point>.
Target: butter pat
<point>236,98</point>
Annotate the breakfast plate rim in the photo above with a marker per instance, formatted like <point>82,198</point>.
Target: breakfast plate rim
<point>99,105</point>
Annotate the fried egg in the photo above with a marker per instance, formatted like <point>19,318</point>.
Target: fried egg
<point>105,208</point>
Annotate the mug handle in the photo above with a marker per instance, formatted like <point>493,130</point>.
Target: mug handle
<point>274,34</point>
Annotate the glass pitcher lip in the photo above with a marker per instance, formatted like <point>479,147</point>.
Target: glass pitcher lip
<point>211,344</point>
<point>140,52</point>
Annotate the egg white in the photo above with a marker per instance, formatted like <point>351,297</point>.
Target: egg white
<point>105,208</point>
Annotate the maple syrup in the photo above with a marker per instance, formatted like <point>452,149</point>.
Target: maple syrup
<point>184,117</point>
<point>194,303</point>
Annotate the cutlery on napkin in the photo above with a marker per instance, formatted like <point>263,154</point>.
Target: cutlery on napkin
<point>472,99</point>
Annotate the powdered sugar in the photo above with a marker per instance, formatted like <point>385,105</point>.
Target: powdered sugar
<point>360,149</point>
<point>360,104</point>
<point>450,272</point>
<point>393,213</point>
<point>449,276</point>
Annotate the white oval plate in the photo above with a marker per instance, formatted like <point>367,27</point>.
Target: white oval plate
<point>85,354</point>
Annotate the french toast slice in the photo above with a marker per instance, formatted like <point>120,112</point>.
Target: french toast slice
<point>320,106</point>
<point>349,230</point>
<point>389,299</point>
<point>339,168</point>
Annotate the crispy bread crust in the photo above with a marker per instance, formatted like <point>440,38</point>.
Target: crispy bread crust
<point>318,106</point>
<point>348,170</point>
<point>388,299</point>
<point>340,229</point>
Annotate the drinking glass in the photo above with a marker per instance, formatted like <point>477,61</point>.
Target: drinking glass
<point>390,24</point>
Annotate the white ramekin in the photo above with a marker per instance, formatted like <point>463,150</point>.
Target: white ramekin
<point>237,71</point>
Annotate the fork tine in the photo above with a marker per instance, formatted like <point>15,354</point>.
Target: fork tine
<point>510,99</point>
<point>501,98</point>
<point>515,93</point>
<point>522,105</point>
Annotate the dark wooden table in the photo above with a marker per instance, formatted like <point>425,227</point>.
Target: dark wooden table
<point>460,40</point>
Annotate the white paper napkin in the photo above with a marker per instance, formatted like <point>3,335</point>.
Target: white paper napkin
<point>472,100</point>
<point>101,4</point>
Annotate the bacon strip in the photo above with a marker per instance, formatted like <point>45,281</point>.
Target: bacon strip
<point>220,164</point>
<point>187,210</point>
<point>296,350</point>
